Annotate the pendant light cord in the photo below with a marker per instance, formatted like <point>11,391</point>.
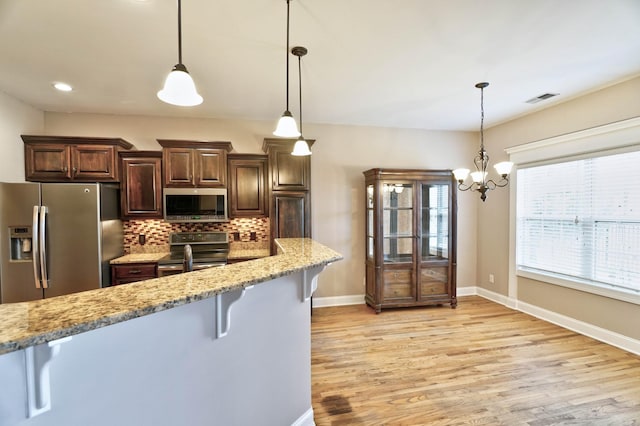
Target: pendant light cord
<point>300,94</point>
<point>482,118</point>
<point>179,31</point>
<point>287,52</point>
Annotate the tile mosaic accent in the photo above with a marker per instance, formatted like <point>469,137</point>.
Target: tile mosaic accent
<point>156,232</point>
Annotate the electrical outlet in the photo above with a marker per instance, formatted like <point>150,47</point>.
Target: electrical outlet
<point>236,236</point>
<point>491,278</point>
<point>253,236</point>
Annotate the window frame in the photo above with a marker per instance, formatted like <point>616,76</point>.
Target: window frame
<point>618,137</point>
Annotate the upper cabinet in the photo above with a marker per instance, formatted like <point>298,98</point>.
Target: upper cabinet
<point>290,191</point>
<point>288,172</point>
<point>72,158</point>
<point>141,185</point>
<point>194,164</point>
<point>247,185</point>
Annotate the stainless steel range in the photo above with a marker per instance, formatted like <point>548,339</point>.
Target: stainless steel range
<point>194,250</point>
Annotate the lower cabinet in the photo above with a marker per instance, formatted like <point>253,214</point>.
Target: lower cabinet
<point>131,272</point>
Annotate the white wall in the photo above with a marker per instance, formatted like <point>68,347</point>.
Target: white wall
<point>340,155</point>
<point>16,118</point>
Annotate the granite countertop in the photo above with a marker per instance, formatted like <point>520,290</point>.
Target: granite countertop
<point>31,323</point>
<point>138,258</point>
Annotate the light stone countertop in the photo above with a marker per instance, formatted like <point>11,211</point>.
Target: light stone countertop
<point>32,323</point>
<point>138,258</point>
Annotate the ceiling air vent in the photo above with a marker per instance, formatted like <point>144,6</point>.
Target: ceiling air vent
<point>542,97</point>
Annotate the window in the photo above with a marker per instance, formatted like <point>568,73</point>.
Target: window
<point>579,221</point>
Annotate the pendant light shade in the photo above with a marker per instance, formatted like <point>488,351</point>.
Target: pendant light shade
<point>179,88</point>
<point>301,147</point>
<point>287,127</point>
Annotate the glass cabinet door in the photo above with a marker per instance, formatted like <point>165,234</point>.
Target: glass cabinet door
<point>397,222</point>
<point>434,256</point>
<point>435,222</point>
<point>370,223</point>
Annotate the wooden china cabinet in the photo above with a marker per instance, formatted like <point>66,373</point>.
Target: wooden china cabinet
<point>410,238</point>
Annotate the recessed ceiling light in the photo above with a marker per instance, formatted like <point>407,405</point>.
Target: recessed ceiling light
<point>63,87</point>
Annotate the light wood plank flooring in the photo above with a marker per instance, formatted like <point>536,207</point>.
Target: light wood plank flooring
<point>479,364</point>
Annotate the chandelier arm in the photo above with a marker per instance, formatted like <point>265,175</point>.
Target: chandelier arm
<point>471,186</point>
<point>500,184</point>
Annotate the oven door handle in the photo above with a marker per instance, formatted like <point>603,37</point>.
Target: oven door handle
<point>197,266</point>
<point>176,267</point>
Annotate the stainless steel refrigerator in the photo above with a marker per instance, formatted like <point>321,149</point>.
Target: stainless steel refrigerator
<point>57,238</point>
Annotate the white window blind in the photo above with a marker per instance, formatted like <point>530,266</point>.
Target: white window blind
<point>580,220</point>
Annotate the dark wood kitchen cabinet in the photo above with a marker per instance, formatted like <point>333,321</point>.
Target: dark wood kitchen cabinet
<point>247,185</point>
<point>131,272</point>
<point>72,158</point>
<point>410,238</point>
<point>193,164</point>
<point>290,190</point>
<point>141,185</point>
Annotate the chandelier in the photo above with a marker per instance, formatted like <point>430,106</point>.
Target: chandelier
<point>479,181</point>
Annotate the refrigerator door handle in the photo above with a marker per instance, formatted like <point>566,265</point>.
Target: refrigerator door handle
<point>36,246</point>
<point>42,229</point>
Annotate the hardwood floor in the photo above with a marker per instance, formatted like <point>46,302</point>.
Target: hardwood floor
<point>479,364</point>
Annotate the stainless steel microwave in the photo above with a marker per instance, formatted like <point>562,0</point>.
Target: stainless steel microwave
<point>195,205</point>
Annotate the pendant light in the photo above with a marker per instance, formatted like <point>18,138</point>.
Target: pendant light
<point>479,182</point>
<point>179,88</point>
<point>287,127</point>
<point>301,148</point>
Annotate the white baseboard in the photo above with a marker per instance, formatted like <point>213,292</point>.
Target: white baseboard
<point>306,419</point>
<point>612,338</point>
<point>603,335</point>
<point>323,302</point>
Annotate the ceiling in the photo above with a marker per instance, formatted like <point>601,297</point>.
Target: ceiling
<point>389,63</point>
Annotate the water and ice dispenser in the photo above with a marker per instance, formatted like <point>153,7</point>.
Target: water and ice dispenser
<point>21,243</point>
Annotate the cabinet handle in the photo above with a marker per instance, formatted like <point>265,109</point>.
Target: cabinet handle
<point>64,169</point>
<point>135,271</point>
<point>75,170</point>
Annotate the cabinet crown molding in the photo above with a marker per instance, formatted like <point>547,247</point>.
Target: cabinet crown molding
<point>176,143</point>
<point>76,140</point>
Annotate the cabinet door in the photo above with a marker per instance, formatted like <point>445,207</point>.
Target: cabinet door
<point>94,163</point>
<point>435,241</point>
<point>290,216</point>
<point>47,162</point>
<point>210,167</point>
<point>247,187</point>
<point>141,187</point>
<point>289,172</point>
<point>178,167</point>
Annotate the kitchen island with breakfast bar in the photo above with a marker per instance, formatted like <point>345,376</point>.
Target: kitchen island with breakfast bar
<point>220,346</point>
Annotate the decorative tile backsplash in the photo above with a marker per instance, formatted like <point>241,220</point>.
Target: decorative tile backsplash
<point>156,232</point>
